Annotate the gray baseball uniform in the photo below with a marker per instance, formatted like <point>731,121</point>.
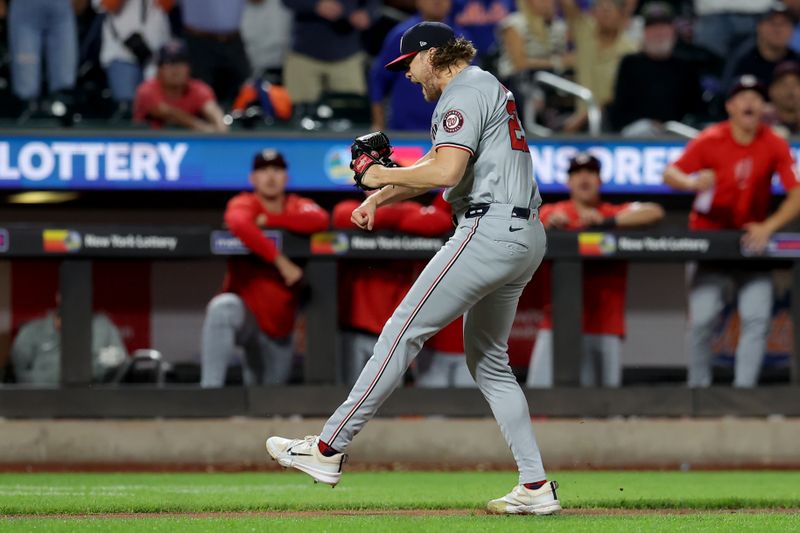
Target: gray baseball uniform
<point>479,273</point>
<point>710,287</point>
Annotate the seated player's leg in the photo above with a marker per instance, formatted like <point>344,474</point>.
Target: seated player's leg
<point>357,348</point>
<point>590,359</point>
<point>755,312</point>
<point>706,300</point>
<point>436,375</point>
<point>611,360</point>
<point>225,317</point>
<point>461,376</point>
<point>278,355</point>
<point>540,369</point>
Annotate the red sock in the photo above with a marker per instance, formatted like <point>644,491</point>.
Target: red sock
<point>325,449</point>
<point>535,485</point>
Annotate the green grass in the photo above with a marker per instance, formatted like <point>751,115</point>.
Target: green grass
<point>696,523</point>
<point>710,492</point>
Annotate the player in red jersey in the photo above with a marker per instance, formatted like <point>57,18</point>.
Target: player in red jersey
<point>258,303</point>
<point>368,297</point>
<point>730,167</point>
<point>604,282</point>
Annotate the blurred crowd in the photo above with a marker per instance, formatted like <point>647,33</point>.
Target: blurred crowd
<point>209,65</point>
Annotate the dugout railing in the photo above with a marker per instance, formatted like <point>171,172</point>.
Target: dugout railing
<point>569,252</point>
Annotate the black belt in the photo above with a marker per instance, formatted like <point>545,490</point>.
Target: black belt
<point>476,210</point>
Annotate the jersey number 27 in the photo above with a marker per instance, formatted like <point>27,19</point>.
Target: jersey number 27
<point>515,130</point>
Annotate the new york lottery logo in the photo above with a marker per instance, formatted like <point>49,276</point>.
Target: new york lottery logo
<point>596,244</point>
<point>337,165</point>
<point>61,241</point>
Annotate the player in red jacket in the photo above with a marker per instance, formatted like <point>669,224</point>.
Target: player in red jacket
<point>258,303</point>
<point>368,296</point>
<point>604,282</point>
<point>730,166</point>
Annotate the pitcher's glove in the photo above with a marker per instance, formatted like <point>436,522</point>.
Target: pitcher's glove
<point>367,150</point>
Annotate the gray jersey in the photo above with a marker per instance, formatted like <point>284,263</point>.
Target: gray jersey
<point>479,273</point>
<point>477,114</point>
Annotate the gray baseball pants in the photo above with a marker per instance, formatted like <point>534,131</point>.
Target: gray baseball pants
<point>601,357</point>
<point>708,292</point>
<point>479,273</point>
<point>229,326</point>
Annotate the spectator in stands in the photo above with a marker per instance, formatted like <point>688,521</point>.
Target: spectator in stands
<point>771,46</point>
<point>174,98</point>
<point>133,30</point>
<point>36,350</point>
<point>266,31</point>
<point>600,44</point>
<point>7,107</point>
<point>722,25</point>
<point>480,18</point>
<point>533,39</point>
<point>258,303</point>
<point>604,284</point>
<point>794,8</point>
<point>367,297</point>
<point>653,86</point>
<point>326,47</point>
<point>784,95</point>
<point>730,166</point>
<point>407,109</point>
<point>216,50</point>
<point>37,26</point>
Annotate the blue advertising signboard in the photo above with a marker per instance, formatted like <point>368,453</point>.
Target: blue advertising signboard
<point>316,163</point>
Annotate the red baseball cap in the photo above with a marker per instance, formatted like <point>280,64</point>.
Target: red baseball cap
<point>417,38</point>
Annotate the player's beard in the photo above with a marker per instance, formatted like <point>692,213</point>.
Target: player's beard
<point>430,92</point>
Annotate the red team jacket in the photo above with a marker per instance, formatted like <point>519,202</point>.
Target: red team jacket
<point>742,186</point>
<point>254,278</point>
<point>604,284</point>
<point>368,296</point>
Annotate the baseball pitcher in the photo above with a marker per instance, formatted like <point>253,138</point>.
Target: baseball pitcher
<point>480,155</point>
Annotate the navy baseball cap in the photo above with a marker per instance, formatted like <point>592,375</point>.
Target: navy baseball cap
<point>174,51</point>
<point>583,160</point>
<point>779,9</point>
<point>657,13</point>
<point>269,158</point>
<point>748,82</point>
<point>420,37</point>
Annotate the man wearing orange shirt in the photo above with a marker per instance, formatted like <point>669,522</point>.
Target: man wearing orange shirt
<point>730,167</point>
<point>257,306</point>
<point>604,283</point>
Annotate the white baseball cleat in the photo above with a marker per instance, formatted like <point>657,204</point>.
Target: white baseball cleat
<point>304,455</point>
<point>521,500</point>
